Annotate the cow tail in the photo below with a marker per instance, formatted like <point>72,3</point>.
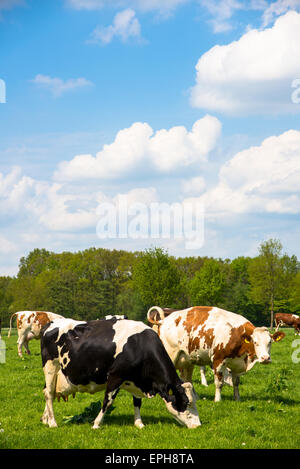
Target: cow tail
<point>10,323</point>
<point>161,313</point>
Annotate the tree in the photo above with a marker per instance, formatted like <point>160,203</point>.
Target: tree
<point>270,275</point>
<point>207,286</point>
<point>157,279</point>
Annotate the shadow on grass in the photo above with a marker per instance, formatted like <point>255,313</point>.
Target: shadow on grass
<point>90,413</point>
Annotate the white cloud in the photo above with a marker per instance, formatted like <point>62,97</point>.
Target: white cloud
<point>278,8</point>
<point>260,179</point>
<point>6,246</point>
<point>253,74</point>
<point>57,86</point>
<point>125,25</point>
<point>193,186</point>
<point>221,11</point>
<point>139,149</point>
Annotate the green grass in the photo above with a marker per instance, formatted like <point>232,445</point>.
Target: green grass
<point>268,415</point>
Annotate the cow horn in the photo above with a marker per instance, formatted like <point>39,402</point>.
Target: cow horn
<point>159,310</point>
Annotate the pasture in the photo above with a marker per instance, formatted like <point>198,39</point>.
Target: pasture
<point>268,415</point>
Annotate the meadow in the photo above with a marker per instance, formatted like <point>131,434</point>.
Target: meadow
<point>267,417</point>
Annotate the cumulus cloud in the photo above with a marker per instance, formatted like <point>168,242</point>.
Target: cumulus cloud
<point>125,25</point>
<point>138,148</point>
<point>278,8</point>
<point>57,86</point>
<point>260,179</point>
<point>253,74</point>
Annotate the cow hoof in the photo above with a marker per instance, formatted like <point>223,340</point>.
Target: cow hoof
<point>139,425</point>
<point>52,424</point>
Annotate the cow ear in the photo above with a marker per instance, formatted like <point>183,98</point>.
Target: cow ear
<point>247,339</point>
<point>277,336</point>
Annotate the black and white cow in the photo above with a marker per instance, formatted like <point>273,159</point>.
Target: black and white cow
<point>110,355</point>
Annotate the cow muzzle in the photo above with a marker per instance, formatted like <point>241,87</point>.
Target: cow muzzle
<point>265,359</point>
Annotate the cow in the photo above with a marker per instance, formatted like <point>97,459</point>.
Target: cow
<point>292,320</point>
<point>29,324</point>
<point>207,335</point>
<point>112,354</point>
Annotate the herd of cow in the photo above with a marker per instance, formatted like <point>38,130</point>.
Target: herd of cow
<point>117,353</point>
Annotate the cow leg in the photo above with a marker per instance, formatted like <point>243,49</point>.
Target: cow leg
<point>50,370</point>
<point>203,377</point>
<point>21,341</point>
<point>186,373</point>
<point>236,382</point>
<point>137,415</point>
<point>25,343</point>
<point>111,392</point>
<point>219,380</point>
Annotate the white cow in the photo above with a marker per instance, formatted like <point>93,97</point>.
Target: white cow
<point>29,324</point>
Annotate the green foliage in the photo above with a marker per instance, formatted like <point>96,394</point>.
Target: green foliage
<point>156,278</point>
<point>92,283</point>
<point>271,276</point>
<point>208,283</point>
<point>279,381</point>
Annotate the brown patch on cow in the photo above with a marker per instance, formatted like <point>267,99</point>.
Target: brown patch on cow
<point>177,321</point>
<point>20,320</point>
<point>29,318</point>
<point>239,343</point>
<point>196,317</point>
<point>42,318</point>
<point>207,335</point>
<point>195,320</point>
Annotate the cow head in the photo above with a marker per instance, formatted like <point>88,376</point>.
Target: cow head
<point>261,340</point>
<point>181,403</point>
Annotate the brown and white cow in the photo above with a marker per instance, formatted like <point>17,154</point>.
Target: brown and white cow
<point>286,319</point>
<point>205,335</point>
<point>29,324</point>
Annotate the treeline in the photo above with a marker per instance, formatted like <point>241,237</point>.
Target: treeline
<point>95,282</point>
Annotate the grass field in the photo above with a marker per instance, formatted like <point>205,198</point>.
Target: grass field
<point>268,415</point>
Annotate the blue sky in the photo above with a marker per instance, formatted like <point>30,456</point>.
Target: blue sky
<point>173,101</point>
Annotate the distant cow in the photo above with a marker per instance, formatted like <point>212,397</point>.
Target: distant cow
<point>285,319</point>
<point>110,355</point>
<point>204,335</point>
<point>29,324</point>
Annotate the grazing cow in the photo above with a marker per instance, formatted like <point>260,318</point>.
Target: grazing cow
<point>205,335</point>
<point>29,324</point>
<point>286,319</point>
<point>110,355</point>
